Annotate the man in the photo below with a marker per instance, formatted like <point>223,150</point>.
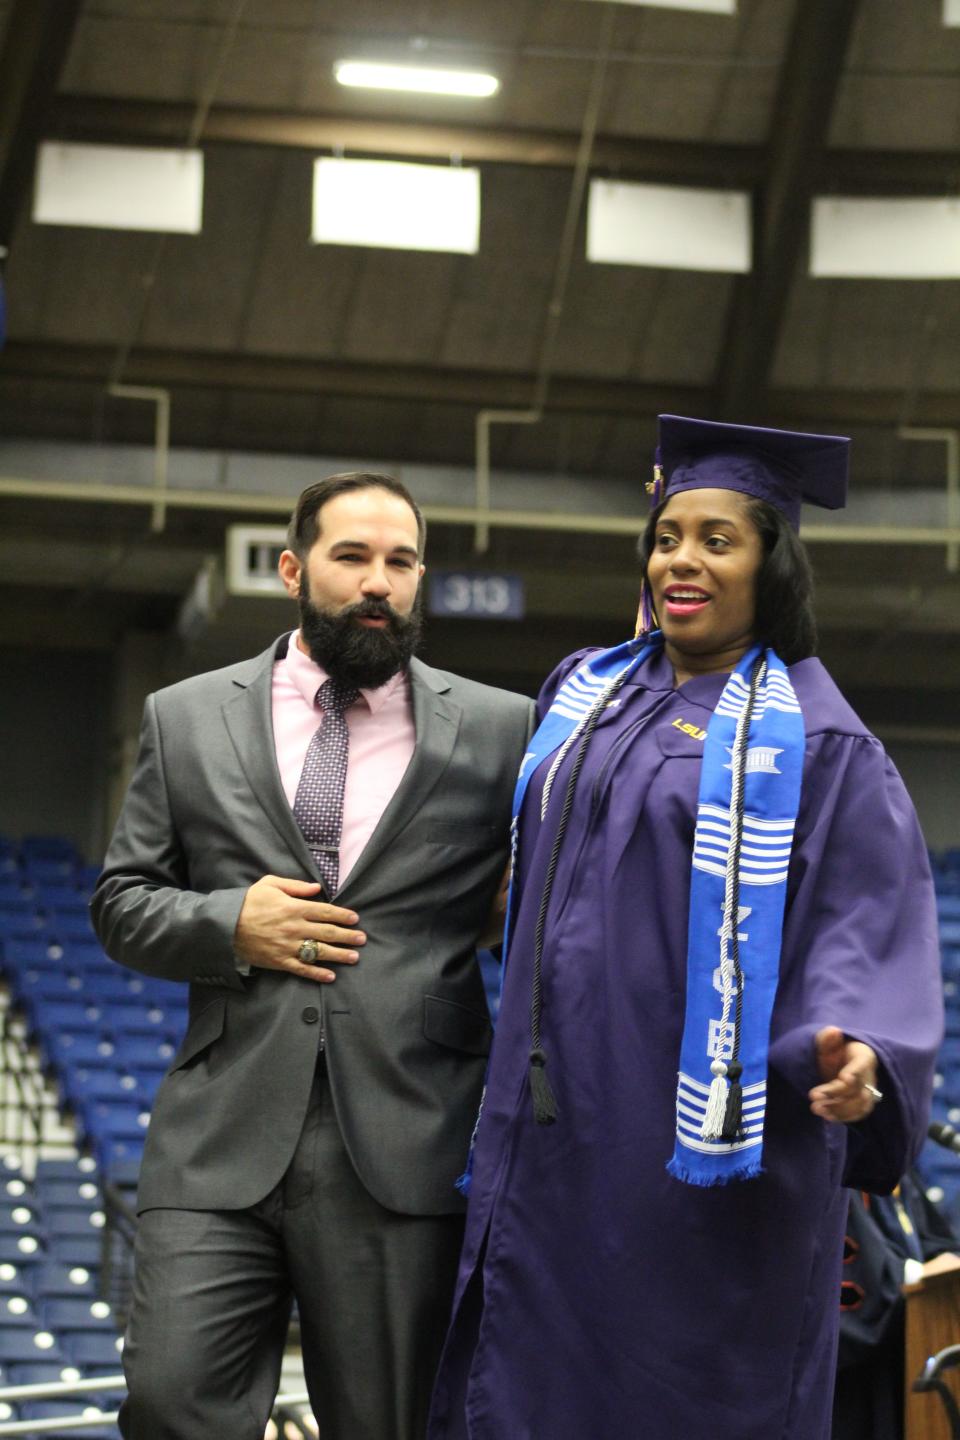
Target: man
<point>321,886</point>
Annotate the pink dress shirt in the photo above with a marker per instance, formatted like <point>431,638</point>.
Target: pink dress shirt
<point>382,738</point>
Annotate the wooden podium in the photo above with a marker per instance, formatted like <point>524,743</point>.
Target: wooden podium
<point>932,1323</point>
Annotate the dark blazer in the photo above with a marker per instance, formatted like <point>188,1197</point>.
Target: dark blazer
<point>407,1028</point>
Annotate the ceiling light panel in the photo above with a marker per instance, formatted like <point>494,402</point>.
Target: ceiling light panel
<point>420,80</point>
<point>885,239</point>
<point>715,7</point>
<point>668,226</point>
<point>119,187</point>
<point>395,205</point>
<point>951,12</point>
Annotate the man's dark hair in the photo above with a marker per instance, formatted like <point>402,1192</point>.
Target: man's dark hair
<point>304,527</point>
<point>784,614</point>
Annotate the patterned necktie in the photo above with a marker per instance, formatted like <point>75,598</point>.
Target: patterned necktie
<point>318,807</point>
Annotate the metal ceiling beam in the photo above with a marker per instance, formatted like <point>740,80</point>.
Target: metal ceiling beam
<point>842,172</point>
<point>37,38</point>
<point>809,81</point>
<point>445,385</point>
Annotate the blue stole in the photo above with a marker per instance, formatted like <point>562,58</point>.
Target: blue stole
<point>746,812</point>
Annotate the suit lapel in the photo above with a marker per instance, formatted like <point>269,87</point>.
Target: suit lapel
<point>248,716</point>
<point>436,719</point>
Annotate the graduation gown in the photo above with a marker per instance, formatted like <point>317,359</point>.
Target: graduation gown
<point>598,1297</point>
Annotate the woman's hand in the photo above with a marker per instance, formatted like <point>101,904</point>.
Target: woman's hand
<point>849,1070</point>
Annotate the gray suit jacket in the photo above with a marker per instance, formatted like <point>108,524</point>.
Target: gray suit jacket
<point>407,1028</point>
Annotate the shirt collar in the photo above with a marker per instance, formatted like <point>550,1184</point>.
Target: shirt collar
<point>308,676</point>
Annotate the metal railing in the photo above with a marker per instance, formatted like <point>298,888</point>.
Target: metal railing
<point>284,1407</point>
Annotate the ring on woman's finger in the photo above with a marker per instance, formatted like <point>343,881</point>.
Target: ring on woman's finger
<point>309,952</point>
<point>872,1090</point>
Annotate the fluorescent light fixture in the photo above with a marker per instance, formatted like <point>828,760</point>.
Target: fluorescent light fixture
<point>119,187</point>
<point>422,80</point>
<point>886,239</point>
<point>716,7</point>
<point>951,12</point>
<point>669,226</point>
<point>395,205</point>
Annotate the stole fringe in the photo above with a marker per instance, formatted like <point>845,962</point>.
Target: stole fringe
<point>746,1170</point>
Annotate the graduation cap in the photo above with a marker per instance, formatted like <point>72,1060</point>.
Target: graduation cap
<point>782,467</point>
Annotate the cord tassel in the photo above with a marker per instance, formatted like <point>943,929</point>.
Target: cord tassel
<point>716,1103</point>
<point>733,1119</point>
<point>544,1104</point>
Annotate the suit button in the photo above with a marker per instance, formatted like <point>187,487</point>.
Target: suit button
<point>311,1015</point>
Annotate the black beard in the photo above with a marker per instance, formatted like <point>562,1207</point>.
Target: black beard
<point>354,654</point>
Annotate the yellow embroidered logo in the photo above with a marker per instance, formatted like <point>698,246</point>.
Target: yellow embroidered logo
<point>692,730</point>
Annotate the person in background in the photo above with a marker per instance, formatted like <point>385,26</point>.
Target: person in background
<point>312,841</point>
<point>891,1241</point>
<point>721,997</point>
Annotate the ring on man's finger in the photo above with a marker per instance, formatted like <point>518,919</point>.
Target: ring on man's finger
<point>872,1090</point>
<point>309,952</point>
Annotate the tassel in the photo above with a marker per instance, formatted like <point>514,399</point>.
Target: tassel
<point>713,1120</point>
<point>732,1120</point>
<point>544,1104</point>
<point>463,1183</point>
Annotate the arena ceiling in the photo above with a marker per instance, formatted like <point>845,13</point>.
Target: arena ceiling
<point>269,344</point>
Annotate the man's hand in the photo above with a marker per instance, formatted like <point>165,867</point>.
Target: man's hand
<point>278,915</point>
<point>849,1069</point>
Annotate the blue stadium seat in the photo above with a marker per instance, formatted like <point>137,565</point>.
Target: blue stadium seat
<point>83,1048</point>
<point>19,924</point>
<point>84,1082</point>
<point>32,985</point>
<point>67,1222</point>
<point>15,903</point>
<point>13,890</point>
<point>71,929</point>
<point>96,1351</point>
<point>41,1372</point>
<point>52,1278</point>
<point>19,1310</point>
<point>143,1053</point>
<point>118,1156</point>
<point>85,1251</point>
<point>20,1249</point>
<point>78,1312</point>
<point>90,962</point>
<point>73,1192</point>
<point>143,1019</point>
<point>20,1345</point>
<point>79,1168</point>
<point>36,952</point>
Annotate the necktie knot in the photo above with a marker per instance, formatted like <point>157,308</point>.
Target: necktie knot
<point>333,697</point>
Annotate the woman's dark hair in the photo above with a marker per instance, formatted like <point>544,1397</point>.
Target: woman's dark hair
<point>784,615</point>
<point>304,527</point>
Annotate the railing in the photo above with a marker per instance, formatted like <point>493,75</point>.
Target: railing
<point>285,1407</point>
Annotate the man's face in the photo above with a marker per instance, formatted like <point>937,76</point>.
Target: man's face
<point>358,587</point>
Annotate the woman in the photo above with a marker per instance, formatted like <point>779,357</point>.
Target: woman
<point>721,999</point>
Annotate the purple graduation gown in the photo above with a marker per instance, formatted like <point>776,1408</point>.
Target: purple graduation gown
<point>599,1298</point>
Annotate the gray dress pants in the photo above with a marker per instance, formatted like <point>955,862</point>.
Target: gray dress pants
<point>213,1293</point>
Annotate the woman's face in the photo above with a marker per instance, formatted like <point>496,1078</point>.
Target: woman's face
<point>703,576</point>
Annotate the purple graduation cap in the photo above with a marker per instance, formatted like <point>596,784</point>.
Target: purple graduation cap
<point>783,467</point>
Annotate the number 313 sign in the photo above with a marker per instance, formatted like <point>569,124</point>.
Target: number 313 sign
<point>471,595</point>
